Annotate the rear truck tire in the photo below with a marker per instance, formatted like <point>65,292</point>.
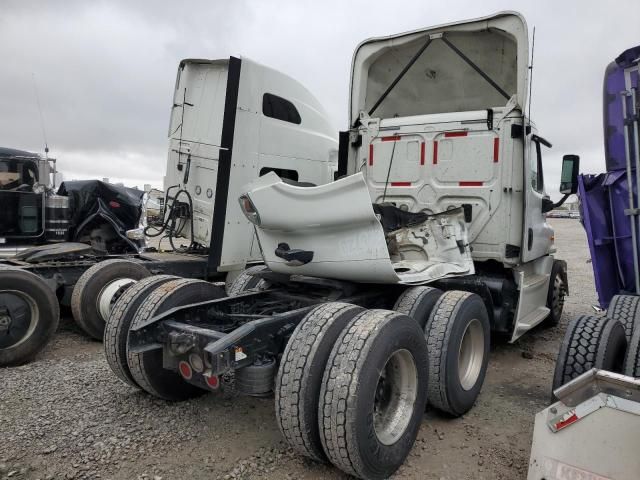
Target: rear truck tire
<point>458,336</point>
<point>299,378</point>
<point>374,390</point>
<point>418,302</point>
<point>556,293</point>
<point>116,332</point>
<point>29,316</point>
<point>632,358</point>
<point>625,309</point>
<point>98,288</point>
<point>589,342</point>
<point>246,281</point>
<point>146,367</point>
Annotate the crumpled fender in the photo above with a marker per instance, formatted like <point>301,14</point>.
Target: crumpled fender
<point>337,223</point>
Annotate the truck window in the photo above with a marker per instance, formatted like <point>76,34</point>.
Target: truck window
<point>280,109</point>
<point>535,159</point>
<point>15,173</point>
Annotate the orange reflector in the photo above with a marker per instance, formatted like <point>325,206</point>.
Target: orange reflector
<point>565,423</point>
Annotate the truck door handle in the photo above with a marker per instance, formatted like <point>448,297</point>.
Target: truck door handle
<point>530,239</point>
<point>293,257</point>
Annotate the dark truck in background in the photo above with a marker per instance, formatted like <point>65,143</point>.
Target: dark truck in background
<point>87,211</point>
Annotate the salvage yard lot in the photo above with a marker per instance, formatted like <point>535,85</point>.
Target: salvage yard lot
<point>66,415</point>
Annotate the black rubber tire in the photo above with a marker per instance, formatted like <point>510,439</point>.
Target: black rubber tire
<point>246,281</point>
<point>116,332</point>
<point>632,358</point>
<point>625,309</point>
<point>46,323</point>
<point>299,378</point>
<point>589,342</point>
<point>90,284</point>
<point>445,330</point>
<point>349,387</point>
<point>556,293</point>
<point>146,367</point>
<point>418,302</point>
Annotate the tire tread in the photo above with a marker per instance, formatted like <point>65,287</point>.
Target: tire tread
<point>292,379</point>
<point>116,330</point>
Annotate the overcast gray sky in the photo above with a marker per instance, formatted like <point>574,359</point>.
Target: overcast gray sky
<point>105,69</point>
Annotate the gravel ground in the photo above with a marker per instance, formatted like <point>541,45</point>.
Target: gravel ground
<point>67,416</point>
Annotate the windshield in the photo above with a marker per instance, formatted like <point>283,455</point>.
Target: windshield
<point>442,80</point>
<point>16,173</point>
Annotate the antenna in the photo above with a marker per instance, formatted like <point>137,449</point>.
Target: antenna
<point>44,133</point>
<point>533,46</point>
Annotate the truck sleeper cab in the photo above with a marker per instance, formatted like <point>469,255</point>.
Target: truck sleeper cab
<point>232,120</point>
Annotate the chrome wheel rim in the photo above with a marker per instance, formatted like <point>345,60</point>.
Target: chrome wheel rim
<point>395,397</point>
<point>110,293</point>
<point>19,316</point>
<point>471,354</point>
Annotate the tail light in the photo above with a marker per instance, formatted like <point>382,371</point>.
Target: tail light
<point>212,381</point>
<point>249,209</point>
<point>185,370</point>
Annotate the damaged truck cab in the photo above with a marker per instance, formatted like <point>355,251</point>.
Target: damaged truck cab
<point>440,144</point>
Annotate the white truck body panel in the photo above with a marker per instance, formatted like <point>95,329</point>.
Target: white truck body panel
<point>337,223</point>
<point>219,134</point>
<point>592,432</point>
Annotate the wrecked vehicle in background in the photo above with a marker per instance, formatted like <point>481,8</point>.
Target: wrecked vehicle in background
<point>108,217</point>
<point>86,211</point>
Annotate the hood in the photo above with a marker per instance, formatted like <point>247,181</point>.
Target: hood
<point>466,66</point>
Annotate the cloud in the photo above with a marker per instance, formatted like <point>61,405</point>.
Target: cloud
<point>105,70</point>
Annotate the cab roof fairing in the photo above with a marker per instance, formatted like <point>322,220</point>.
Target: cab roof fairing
<point>274,82</point>
<point>509,22</point>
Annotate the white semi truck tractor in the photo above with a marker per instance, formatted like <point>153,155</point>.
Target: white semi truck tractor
<point>379,292</point>
<point>232,120</point>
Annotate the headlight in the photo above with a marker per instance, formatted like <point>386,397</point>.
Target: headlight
<point>249,209</point>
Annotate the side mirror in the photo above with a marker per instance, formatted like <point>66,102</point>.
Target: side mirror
<point>569,175</point>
